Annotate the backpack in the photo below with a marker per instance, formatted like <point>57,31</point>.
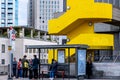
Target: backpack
<point>25,64</point>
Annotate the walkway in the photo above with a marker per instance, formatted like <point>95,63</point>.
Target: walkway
<point>4,77</point>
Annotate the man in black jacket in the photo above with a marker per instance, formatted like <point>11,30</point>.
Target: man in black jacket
<point>35,66</point>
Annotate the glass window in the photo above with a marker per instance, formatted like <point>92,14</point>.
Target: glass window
<point>3,48</point>
<point>3,15</point>
<point>10,24</point>
<point>96,0</point>
<point>3,10</point>
<point>10,5</point>
<point>3,20</point>
<point>117,3</point>
<point>34,50</point>
<point>30,50</point>
<point>106,1</point>
<point>3,5</point>
<point>99,0</point>
<point>3,25</point>
<point>111,1</point>
<point>26,50</point>
<point>3,1</point>
<point>2,61</point>
<point>10,0</point>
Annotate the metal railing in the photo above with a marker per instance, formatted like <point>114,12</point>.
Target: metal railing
<point>106,58</point>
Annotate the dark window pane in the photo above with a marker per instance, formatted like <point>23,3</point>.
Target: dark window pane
<point>3,61</point>
<point>3,48</point>
<point>111,1</point>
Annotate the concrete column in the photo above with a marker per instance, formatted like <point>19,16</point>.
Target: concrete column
<point>23,32</point>
<point>45,36</point>
<point>31,33</point>
<point>8,32</point>
<point>39,34</point>
<point>116,50</point>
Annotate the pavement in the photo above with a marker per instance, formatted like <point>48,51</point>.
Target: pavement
<point>5,77</point>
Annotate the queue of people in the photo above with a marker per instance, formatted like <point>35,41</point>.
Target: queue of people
<point>26,68</point>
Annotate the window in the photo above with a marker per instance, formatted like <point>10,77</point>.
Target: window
<point>26,50</point>
<point>3,20</point>
<point>3,5</point>
<point>106,1</point>
<point>34,50</point>
<point>42,50</point>
<point>117,3</point>
<point>30,50</point>
<point>2,15</point>
<point>2,61</point>
<point>3,1</point>
<point>3,25</point>
<point>111,1</point>
<point>10,20</point>
<point>3,10</point>
<point>3,48</point>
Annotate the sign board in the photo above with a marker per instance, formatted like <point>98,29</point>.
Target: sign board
<point>9,48</point>
<point>61,56</point>
<point>81,62</point>
<point>12,37</point>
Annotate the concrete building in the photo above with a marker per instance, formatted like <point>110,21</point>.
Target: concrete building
<point>108,27</point>
<point>25,36</point>
<point>40,11</point>
<point>8,13</point>
<point>112,27</point>
<point>95,23</point>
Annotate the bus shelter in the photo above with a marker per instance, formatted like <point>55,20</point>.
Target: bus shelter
<point>80,52</point>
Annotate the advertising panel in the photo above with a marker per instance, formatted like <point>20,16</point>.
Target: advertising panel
<point>81,62</point>
<point>61,56</point>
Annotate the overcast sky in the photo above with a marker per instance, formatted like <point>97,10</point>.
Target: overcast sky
<point>22,14</point>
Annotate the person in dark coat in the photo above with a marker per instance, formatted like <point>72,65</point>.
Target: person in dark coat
<point>35,65</point>
<point>14,67</point>
<point>53,69</point>
<point>89,68</point>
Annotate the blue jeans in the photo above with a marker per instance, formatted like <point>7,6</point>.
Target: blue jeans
<point>19,72</point>
<point>52,74</point>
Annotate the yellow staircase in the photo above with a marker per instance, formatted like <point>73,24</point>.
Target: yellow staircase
<point>78,23</point>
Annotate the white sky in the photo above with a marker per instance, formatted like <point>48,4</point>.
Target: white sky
<point>22,13</point>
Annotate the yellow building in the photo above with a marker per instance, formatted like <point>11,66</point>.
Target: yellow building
<point>78,24</point>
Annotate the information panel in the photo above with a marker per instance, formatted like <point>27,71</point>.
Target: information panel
<point>81,62</point>
<point>61,56</point>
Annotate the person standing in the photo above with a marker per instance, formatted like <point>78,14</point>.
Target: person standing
<point>25,66</point>
<point>35,66</point>
<point>89,67</point>
<point>53,69</point>
<point>30,69</point>
<point>19,68</point>
<point>14,67</point>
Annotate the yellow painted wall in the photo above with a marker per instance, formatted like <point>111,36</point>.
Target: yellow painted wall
<point>75,24</point>
<point>80,11</point>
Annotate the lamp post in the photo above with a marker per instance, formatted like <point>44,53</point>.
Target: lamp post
<point>11,48</point>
